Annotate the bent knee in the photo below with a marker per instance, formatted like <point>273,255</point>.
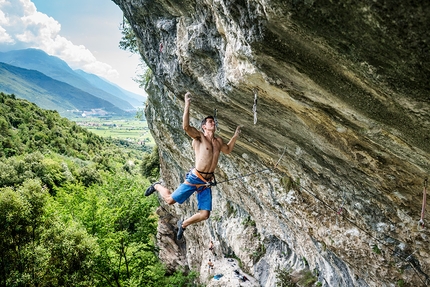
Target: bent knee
<point>205,214</point>
<point>170,201</point>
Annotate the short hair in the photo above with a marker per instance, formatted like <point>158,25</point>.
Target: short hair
<point>204,121</point>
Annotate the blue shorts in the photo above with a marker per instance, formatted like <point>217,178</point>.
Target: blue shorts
<point>184,191</point>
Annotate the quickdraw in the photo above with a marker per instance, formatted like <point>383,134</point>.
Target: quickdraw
<point>423,209</point>
<point>254,107</point>
<point>340,210</point>
<point>216,119</point>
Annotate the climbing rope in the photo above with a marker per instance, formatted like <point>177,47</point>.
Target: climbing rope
<point>423,209</point>
<point>245,175</point>
<point>254,107</point>
<point>251,173</point>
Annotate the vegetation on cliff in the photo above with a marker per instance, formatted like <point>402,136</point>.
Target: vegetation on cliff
<point>72,207</point>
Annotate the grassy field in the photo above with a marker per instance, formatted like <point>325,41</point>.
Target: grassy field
<point>126,129</point>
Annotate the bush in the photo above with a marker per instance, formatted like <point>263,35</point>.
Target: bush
<point>150,167</point>
<point>88,176</point>
<point>38,249</point>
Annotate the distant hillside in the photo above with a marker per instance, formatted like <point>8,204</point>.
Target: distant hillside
<point>132,95</point>
<point>134,99</point>
<point>72,210</point>
<point>57,69</point>
<point>49,93</point>
<point>26,128</point>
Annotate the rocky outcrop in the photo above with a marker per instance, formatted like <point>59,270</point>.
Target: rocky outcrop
<point>335,155</point>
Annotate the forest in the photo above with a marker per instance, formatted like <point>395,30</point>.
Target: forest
<point>73,210</point>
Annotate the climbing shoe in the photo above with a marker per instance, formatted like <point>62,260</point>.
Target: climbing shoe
<point>180,230</point>
<point>151,189</point>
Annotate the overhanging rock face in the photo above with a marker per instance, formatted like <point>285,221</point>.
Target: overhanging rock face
<point>337,151</point>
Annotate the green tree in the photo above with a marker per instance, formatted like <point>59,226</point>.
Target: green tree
<point>36,248</point>
<point>150,167</point>
<point>128,40</point>
<point>71,213</point>
<point>124,223</point>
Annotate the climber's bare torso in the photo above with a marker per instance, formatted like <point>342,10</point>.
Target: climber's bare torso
<point>207,147</point>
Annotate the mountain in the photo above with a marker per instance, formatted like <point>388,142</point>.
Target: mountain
<point>49,93</point>
<point>134,99</point>
<point>57,69</point>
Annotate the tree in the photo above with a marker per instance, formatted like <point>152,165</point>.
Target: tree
<point>128,40</point>
<point>123,221</point>
<point>70,215</point>
<point>37,249</point>
<point>150,167</point>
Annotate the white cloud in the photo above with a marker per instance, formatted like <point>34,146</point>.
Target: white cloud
<point>22,26</point>
<point>5,37</point>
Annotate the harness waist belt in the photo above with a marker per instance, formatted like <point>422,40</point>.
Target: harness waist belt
<point>199,174</point>
<point>206,184</point>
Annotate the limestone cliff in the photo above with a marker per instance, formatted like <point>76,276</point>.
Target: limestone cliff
<point>335,155</point>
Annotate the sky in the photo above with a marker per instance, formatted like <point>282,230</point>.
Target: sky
<point>83,33</point>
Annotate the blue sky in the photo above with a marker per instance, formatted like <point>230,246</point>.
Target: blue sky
<point>84,33</point>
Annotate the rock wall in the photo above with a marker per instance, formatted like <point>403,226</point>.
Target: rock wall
<point>336,154</point>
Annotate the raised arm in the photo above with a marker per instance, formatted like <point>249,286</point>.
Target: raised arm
<point>228,148</point>
<point>191,131</point>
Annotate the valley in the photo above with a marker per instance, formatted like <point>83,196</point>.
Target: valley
<point>129,129</point>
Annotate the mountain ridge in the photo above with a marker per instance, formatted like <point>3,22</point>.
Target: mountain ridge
<point>55,68</point>
<point>49,93</point>
<point>103,84</point>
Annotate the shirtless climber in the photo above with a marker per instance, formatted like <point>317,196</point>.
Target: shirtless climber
<point>207,149</point>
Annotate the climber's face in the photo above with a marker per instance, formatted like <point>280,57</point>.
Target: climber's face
<point>208,124</point>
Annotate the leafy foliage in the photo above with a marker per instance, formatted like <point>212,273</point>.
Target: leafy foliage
<point>151,165</point>
<point>26,128</point>
<point>71,214</point>
<point>37,250</point>
<point>129,39</point>
<point>286,277</point>
<point>129,42</point>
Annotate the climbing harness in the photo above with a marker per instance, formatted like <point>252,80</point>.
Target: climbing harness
<point>254,107</point>
<point>206,184</point>
<point>423,209</point>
